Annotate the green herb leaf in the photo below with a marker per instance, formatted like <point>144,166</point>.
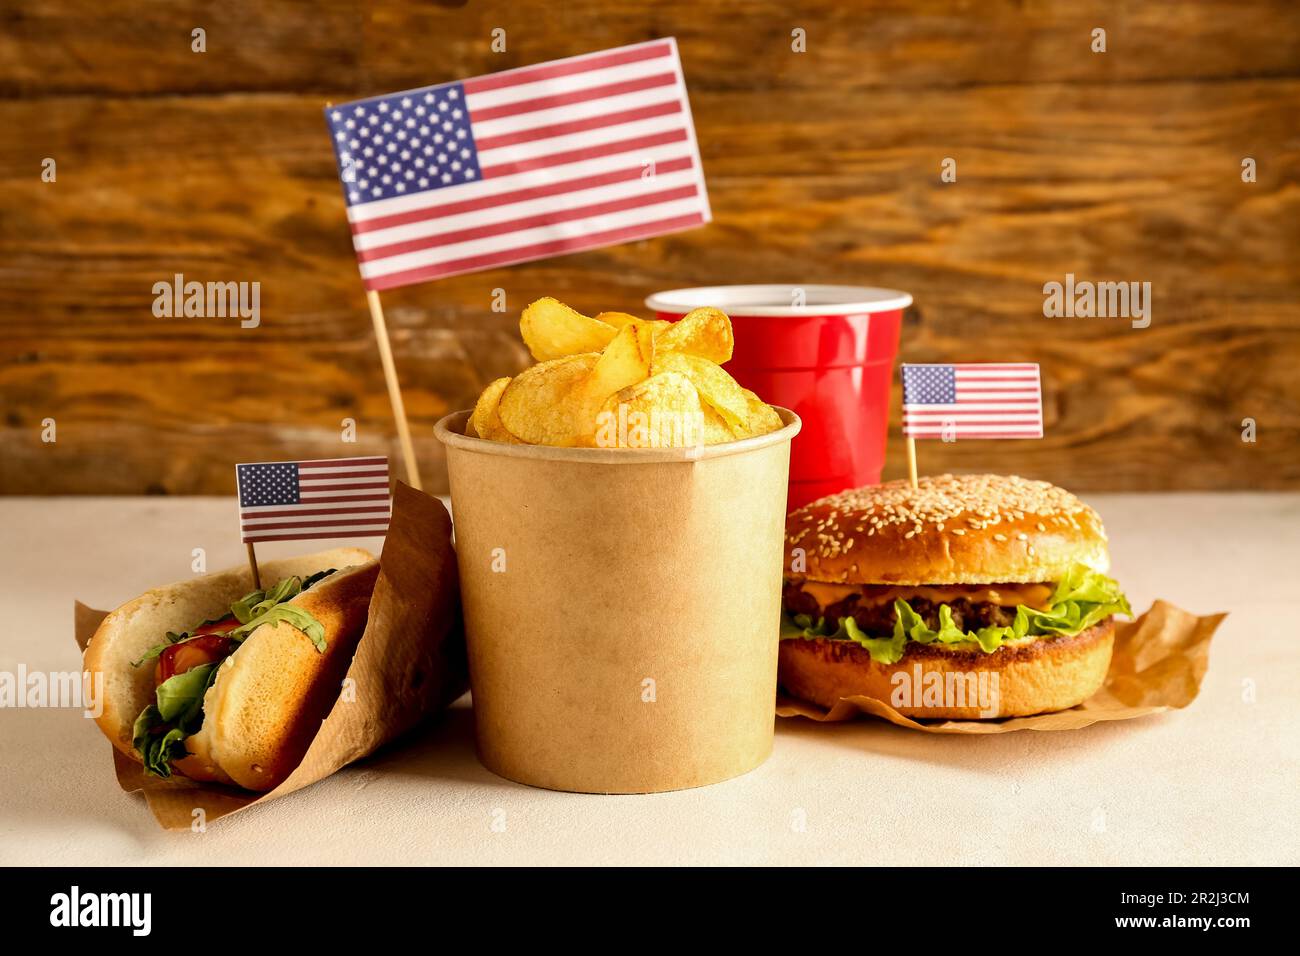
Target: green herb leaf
<point>319,575</point>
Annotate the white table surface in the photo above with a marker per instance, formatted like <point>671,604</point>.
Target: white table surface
<point>1213,784</point>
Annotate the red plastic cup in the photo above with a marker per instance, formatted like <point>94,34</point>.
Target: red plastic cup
<point>825,351</point>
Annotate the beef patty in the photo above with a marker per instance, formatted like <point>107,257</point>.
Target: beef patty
<point>878,619</point>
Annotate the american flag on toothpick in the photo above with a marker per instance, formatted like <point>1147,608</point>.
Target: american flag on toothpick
<point>330,498</point>
<point>538,161</point>
<point>972,401</point>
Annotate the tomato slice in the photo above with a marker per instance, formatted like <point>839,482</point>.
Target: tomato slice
<point>206,648</point>
<point>227,623</point>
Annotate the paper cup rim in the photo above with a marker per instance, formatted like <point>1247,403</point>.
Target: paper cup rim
<point>756,300</point>
<point>450,431</point>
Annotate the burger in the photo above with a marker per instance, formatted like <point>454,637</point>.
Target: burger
<point>968,596</point>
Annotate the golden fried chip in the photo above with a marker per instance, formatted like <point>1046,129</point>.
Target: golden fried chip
<point>703,332</point>
<point>616,319</point>
<point>625,361</point>
<point>552,330</point>
<point>663,411</point>
<point>486,407</point>
<point>620,319</point>
<point>621,382</point>
<point>761,418</point>
<point>544,405</point>
<point>485,420</point>
<point>716,429</point>
<point>715,386</point>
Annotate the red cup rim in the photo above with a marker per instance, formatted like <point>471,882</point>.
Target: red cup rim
<point>760,300</point>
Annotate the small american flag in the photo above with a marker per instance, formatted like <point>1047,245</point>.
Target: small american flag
<point>331,498</point>
<point>538,161</point>
<point>972,401</point>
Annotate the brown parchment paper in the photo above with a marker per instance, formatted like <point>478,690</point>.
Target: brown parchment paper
<point>1157,664</point>
<point>409,663</point>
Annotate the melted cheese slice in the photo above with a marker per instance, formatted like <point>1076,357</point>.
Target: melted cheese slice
<point>1006,595</point>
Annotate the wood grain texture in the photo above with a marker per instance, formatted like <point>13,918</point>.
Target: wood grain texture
<point>822,167</point>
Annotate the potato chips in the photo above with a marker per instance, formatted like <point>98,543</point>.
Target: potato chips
<point>617,381</point>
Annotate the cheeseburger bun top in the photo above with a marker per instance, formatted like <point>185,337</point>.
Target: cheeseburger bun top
<point>952,529</point>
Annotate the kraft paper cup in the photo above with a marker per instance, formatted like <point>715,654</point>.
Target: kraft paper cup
<point>622,607</point>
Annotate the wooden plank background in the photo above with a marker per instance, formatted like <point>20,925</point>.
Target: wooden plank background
<point>822,167</point>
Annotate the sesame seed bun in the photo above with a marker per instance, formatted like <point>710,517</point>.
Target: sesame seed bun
<point>1034,676</point>
<point>952,529</point>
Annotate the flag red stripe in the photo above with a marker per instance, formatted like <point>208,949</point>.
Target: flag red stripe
<point>331,475</point>
<point>963,410</point>
<point>977,422</point>
<point>527,222</point>
<point>578,125</point>
<point>299,510</point>
<point>1016,428</point>
<point>995,367</point>
<point>360,486</point>
<point>551,248</point>
<point>531,74</point>
<point>938,433</point>
<point>336,462</point>
<point>304,537</point>
<point>519,195</point>
<point>958,413</point>
<point>573,96</point>
<point>970,427</point>
<point>332,499</point>
<point>587,152</point>
<point>978,401</point>
<point>321,523</point>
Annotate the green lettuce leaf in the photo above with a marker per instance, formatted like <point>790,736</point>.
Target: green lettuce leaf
<point>181,696</point>
<point>1081,598</point>
<point>256,603</point>
<point>158,750</point>
<point>289,614</point>
<point>179,709</point>
<point>880,648</point>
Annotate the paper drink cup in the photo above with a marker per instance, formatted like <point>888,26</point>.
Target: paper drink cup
<point>826,351</point>
<point>621,607</point>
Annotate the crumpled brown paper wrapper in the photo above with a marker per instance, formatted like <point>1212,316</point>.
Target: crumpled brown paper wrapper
<point>1157,664</point>
<point>409,663</point>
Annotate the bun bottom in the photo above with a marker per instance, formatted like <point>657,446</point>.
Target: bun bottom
<point>936,681</point>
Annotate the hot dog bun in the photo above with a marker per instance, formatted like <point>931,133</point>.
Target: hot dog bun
<point>268,699</point>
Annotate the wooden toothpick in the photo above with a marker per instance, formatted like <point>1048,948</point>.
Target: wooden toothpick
<point>394,392</point>
<point>252,565</point>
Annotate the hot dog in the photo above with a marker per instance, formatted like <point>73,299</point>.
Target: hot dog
<point>218,681</point>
